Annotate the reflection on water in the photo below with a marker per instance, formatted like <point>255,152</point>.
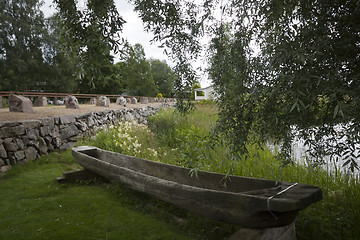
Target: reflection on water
<point>300,155</point>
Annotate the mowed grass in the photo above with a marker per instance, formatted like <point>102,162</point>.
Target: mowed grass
<point>34,206</point>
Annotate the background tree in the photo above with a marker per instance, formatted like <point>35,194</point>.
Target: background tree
<point>138,78</point>
<point>91,34</point>
<point>60,65</point>
<point>22,29</point>
<point>163,77</point>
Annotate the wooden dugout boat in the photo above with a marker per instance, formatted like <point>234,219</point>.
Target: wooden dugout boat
<point>249,202</point>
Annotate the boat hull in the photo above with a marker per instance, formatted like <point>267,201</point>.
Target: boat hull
<point>242,201</point>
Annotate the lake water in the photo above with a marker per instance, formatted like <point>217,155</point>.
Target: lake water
<point>300,155</point>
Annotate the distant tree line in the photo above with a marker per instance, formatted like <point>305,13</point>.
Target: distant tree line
<point>71,51</point>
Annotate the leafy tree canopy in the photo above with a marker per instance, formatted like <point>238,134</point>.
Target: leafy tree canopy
<point>163,76</point>
<point>21,42</point>
<point>91,34</point>
<point>281,69</point>
<point>137,73</point>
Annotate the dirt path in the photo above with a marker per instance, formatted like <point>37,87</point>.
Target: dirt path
<point>56,111</point>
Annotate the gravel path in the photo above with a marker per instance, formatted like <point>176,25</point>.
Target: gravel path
<point>56,111</point>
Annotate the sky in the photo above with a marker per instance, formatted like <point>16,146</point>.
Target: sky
<point>133,31</point>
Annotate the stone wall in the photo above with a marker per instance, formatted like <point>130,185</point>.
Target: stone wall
<point>23,141</point>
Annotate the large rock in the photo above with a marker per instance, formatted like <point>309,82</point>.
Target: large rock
<point>20,104</point>
<point>71,102</point>
<point>68,132</point>
<point>40,102</point>
<point>102,101</point>
<point>32,134</point>
<point>11,131</point>
<point>31,124</point>
<point>19,155</point>
<point>144,100</point>
<point>30,153</point>
<point>67,119</point>
<point>10,145</point>
<point>93,101</point>
<point>3,153</point>
<point>121,101</point>
<point>133,100</point>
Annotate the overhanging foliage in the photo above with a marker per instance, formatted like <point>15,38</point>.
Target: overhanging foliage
<point>282,69</point>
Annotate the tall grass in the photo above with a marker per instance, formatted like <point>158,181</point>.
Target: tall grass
<point>183,141</point>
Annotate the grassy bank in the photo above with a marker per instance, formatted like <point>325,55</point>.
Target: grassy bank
<point>182,140</point>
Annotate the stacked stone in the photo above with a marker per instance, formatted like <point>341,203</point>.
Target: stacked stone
<point>23,141</point>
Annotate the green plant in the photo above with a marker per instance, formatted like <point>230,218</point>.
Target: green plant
<point>159,95</point>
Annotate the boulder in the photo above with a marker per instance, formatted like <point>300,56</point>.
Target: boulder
<point>71,102</point>
<point>144,100</point>
<point>102,101</point>
<point>121,101</point>
<point>20,104</point>
<point>133,100</point>
<point>93,101</point>
<point>40,102</point>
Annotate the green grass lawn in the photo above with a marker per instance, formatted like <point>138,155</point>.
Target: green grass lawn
<point>34,206</point>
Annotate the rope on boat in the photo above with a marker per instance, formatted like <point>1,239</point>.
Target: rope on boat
<point>275,195</point>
